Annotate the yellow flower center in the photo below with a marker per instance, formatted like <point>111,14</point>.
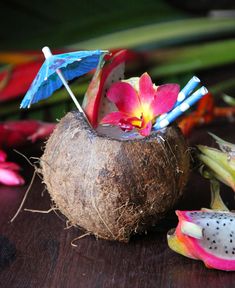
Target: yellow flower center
<point>144,113</point>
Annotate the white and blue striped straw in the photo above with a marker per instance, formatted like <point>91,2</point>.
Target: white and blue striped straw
<point>187,90</point>
<point>180,109</point>
<point>184,93</point>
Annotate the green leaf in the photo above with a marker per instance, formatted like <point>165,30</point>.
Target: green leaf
<point>224,146</point>
<point>221,86</point>
<point>219,165</point>
<point>193,58</point>
<point>216,201</point>
<point>161,34</point>
<point>220,157</point>
<point>228,99</point>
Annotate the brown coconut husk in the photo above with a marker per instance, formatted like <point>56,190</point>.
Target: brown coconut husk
<point>109,187</point>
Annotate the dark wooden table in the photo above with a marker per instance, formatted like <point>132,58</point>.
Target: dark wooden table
<point>36,251</point>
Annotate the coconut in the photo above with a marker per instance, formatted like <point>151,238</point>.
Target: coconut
<point>110,187</point>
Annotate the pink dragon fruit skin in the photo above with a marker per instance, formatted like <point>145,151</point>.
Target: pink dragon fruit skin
<point>110,69</point>
<point>94,101</point>
<point>216,243</point>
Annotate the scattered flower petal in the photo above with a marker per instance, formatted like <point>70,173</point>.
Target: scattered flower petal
<point>9,172</point>
<point>10,178</point>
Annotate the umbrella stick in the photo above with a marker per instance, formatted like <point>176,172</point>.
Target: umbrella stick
<point>47,53</point>
<point>69,90</point>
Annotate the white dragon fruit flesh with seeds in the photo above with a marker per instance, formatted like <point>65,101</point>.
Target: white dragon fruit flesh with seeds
<point>206,235</point>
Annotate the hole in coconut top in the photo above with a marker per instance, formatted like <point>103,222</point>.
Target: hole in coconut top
<point>116,133</point>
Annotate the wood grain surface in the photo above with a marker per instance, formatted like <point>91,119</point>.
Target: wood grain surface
<point>36,251</point>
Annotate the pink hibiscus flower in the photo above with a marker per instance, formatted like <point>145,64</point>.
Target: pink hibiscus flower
<point>139,102</point>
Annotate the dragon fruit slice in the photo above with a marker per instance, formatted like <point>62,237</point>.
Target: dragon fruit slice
<point>205,235</point>
<point>95,102</point>
<point>110,69</point>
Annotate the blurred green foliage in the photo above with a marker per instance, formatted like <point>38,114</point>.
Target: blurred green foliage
<point>59,23</point>
<point>177,45</point>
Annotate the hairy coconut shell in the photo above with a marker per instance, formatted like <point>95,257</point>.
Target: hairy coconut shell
<point>109,187</point>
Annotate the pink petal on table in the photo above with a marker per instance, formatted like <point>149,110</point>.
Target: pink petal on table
<point>165,98</point>
<point>3,156</point>
<point>146,88</point>
<point>9,165</point>
<point>114,118</point>
<point>146,130</point>
<point>125,97</point>
<point>10,178</point>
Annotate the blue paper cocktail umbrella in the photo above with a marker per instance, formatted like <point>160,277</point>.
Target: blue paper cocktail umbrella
<point>57,70</point>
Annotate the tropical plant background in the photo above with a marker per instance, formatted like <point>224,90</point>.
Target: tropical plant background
<point>178,39</point>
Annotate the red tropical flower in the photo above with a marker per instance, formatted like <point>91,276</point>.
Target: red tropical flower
<point>139,102</point>
<point>14,134</point>
<point>9,172</point>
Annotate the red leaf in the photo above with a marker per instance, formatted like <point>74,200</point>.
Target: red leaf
<point>19,80</point>
<point>25,127</point>
<point>17,133</point>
